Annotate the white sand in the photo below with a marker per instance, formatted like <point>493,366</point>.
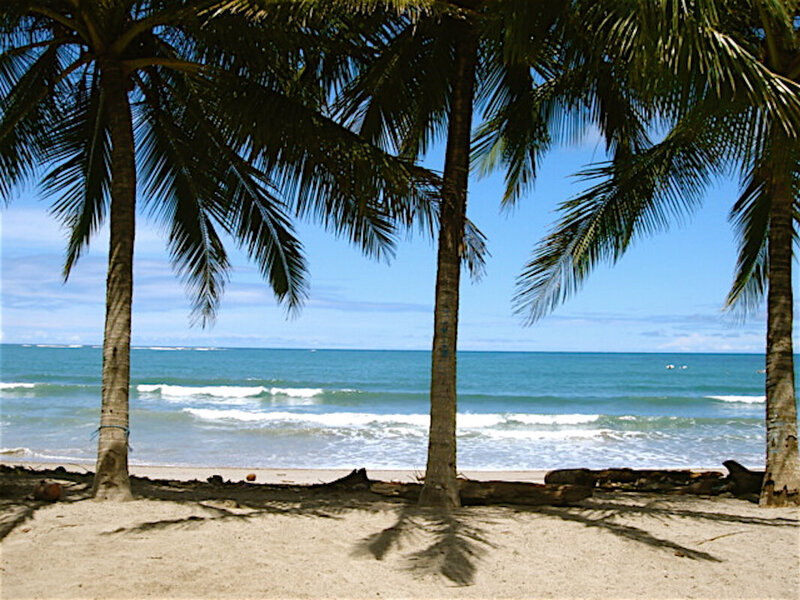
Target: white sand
<point>612,546</point>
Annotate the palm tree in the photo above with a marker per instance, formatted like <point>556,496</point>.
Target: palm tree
<point>420,82</point>
<point>738,107</point>
<point>177,96</point>
<point>529,71</point>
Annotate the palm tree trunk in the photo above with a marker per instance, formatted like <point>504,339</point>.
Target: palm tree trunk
<point>782,479</point>
<point>111,479</point>
<point>441,487</point>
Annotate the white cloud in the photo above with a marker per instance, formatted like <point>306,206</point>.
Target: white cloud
<point>698,342</point>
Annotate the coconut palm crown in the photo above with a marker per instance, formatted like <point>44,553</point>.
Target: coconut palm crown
<point>729,102</point>
<point>214,124</point>
<point>526,76</point>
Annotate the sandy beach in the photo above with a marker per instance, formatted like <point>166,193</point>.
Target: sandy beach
<point>190,539</point>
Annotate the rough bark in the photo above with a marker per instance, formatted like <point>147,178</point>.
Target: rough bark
<point>440,488</point>
<point>781,485</point>
<point>111,478</point>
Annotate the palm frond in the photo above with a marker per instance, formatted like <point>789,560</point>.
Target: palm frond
<point>750,218</point>
<point>329,172</point>
<point>81,182</point>
<point>27,114</point>
<point>474,252</point>
<point>639,194</point>
<point>177,166</point>
<point>259,221</point>
<point>399,101</point>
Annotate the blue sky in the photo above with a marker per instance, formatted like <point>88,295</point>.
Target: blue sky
<point>665,295</point>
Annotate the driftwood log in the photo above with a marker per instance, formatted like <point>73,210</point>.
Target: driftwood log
<point>357,479</point>
<point>637,479</point>
<point>495,492</point>
<point>740,481</point>
<point>519,492</point>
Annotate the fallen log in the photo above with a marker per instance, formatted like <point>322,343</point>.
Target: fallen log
<point>409,491</point>
<point>517,492</point>
<point>495,492</point>
<point>357,479</point>
<point>743,481</point>
<point>584,477</point>
<point>643,480</point>
<point>645,476</point>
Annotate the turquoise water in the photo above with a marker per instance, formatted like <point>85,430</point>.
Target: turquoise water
<point>344,408</point>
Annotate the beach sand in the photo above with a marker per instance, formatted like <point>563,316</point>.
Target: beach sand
<point>184,539</point>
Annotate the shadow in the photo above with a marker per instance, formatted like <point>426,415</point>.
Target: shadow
<point>13,514</point>
<point>17,504</point>
<point>602,511</point>
<point>453,547</point>
<point>450,545</point>
<point>652,509</point>
<point>629,532</point>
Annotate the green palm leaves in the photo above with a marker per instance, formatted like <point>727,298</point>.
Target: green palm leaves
<point>221,121</point>
<point>723,79</point>
<point>725,111</point>
<point>217,124</point>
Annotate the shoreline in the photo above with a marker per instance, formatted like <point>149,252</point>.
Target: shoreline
<point>300,476</point>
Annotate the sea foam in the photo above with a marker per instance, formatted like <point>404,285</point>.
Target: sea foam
<point>465,421</point>
<point>62,346</point>
<point>229,394</point>
<point>28,453</point>
<point>219,391</point>
<point>743,399</point>
<point>13,386</point>
<point>343,419</point>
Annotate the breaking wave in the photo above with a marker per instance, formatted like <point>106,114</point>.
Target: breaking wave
<point>741,399</point>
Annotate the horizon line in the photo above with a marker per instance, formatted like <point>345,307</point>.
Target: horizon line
<point>157,347</point>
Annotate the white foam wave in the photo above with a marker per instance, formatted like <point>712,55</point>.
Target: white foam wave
<point>230,394</point>
<point>325,419</point>
<point>11,386</point>
<point>219,391</point>
<point>466,421</point>
<point>296,392</point>
<point>16,452</point>
<point>743,399</point>
<point>177,348</point>
<point>59,345</point>
<point>576,419</point>
<point>561,434</point>
<point>28,453</point>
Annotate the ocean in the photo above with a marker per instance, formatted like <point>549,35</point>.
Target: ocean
<point>263,408</point>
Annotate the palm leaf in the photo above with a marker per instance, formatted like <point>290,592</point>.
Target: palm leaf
<point>82,181</point>
<point>640,194</point>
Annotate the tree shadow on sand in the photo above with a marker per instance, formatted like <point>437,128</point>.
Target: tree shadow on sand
<point>449,544</point>
<point>17,504</point>
<point>454,543</point>
<point>605,510</point>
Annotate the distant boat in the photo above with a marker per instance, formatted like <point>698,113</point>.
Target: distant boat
<point>670,366</point>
